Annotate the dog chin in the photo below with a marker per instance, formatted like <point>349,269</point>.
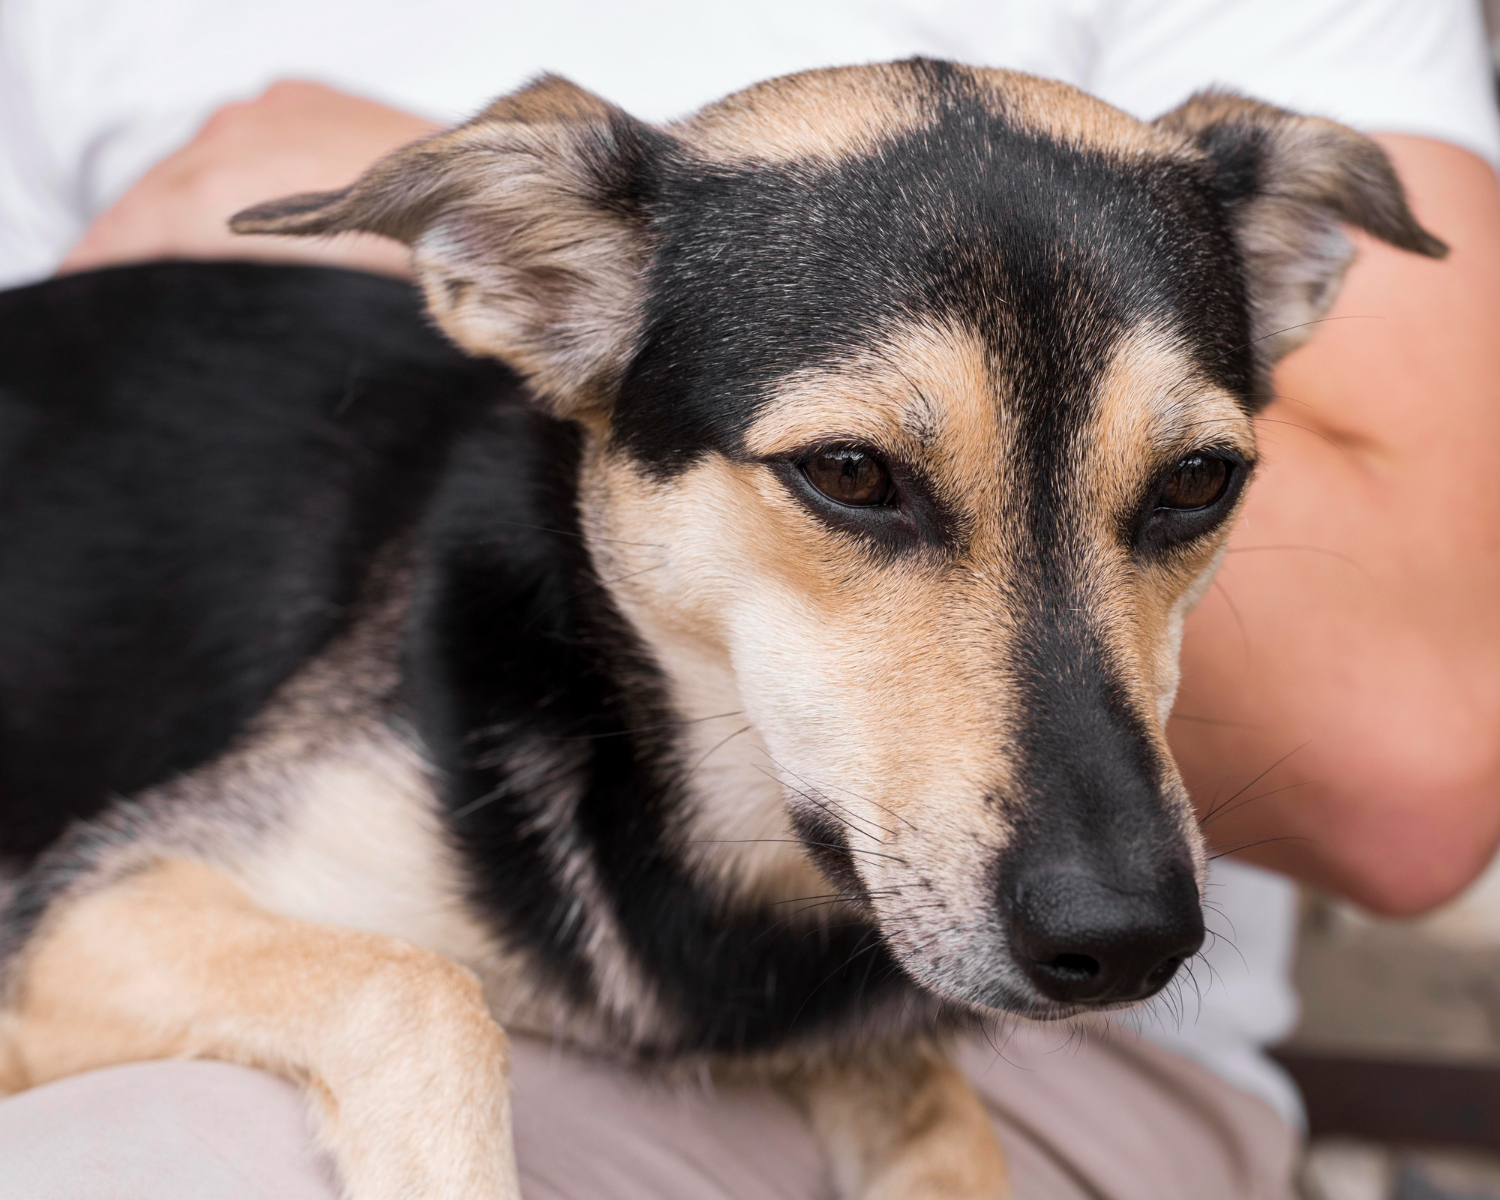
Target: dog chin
<point>996,994</point>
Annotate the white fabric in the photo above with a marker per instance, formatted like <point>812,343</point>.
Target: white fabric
<point>93,92</point>
<point>227,1132</point>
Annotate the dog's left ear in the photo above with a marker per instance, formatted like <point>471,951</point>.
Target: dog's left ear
<point>1289,182</point>
<point>528,231</point>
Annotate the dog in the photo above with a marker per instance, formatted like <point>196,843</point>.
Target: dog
<point>744,635</point>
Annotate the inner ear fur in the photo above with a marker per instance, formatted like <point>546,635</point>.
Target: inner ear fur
<point>1289,183</point>
<point>528,233</point>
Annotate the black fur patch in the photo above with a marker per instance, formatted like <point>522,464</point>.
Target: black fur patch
<point>196,464</point>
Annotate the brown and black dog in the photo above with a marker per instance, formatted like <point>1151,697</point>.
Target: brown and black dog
<point>766,664</point>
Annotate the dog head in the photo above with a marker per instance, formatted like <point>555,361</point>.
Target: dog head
<point>918,403</point>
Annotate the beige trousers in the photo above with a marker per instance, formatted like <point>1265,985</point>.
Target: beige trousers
<point>1082,1118</point>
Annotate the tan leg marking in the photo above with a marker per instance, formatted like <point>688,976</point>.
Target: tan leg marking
<point>908,1130</point>
<point>406,1068</point>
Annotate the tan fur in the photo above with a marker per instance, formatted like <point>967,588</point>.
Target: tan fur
<point>406,1069</point>
<point>906,1129</point>
<point>363,849</point>
<point>833,113</point>
<point>845,112</point>
<point>1060,111</point>
<point>358,840</point>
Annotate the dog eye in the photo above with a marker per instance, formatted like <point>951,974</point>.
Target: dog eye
<point>849,476</point>
<point>1196,482</point>
<point>1190,500</point>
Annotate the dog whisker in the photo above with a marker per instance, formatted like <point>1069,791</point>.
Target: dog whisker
<point>813,786</point>
<point>1229,848</point>
<point>798,842</point>
<point>638,729</point>
<point>1217,810</point>
<point>1323,550</point>
<point>846,821</point>
<point>818,786</point>
<point>719,745</point>
<point>859,895</point>
<point>1308,325</point>
<point>1234,611</point>
<point>868,800</point>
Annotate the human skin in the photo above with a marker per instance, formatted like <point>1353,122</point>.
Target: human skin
<point>294,137</point>
<point>1339,717</point>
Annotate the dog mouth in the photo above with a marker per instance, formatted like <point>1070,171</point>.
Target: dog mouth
<point>1055,926</point>
<point>1056,990</point>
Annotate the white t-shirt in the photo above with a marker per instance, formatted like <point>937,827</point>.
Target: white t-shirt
<point>93,92</point>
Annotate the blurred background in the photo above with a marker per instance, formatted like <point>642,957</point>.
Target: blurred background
<point>1398,1049</point>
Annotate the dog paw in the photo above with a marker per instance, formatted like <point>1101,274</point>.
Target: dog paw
<point>424,1109</point>
<point>969,1176</point>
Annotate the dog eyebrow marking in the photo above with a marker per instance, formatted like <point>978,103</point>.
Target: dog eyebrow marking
<point>924,383</point>
<point>1152,404</point>
<point>928,394</point>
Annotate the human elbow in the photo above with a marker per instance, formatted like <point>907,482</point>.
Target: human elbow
<point>1417,810</point>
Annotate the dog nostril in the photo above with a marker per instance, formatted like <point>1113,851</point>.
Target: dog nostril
<point>1163,972</point>
<point>1075,966</point>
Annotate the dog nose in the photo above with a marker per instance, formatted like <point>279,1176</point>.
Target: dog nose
<point>1082,939</point>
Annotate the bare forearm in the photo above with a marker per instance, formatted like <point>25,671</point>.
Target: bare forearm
<point>296,137</point>
<point>1340,710</point>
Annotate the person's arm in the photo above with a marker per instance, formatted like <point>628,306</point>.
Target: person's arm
<point>295,137</point>
<point>1339,716</point>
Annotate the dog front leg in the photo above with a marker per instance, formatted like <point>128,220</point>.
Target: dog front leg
<point>407,1070</point>
<point>905,1129</point>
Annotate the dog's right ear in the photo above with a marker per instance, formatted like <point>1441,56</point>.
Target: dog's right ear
<point>528,229</point>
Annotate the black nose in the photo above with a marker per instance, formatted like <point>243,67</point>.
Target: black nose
<point>1084,939</point>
